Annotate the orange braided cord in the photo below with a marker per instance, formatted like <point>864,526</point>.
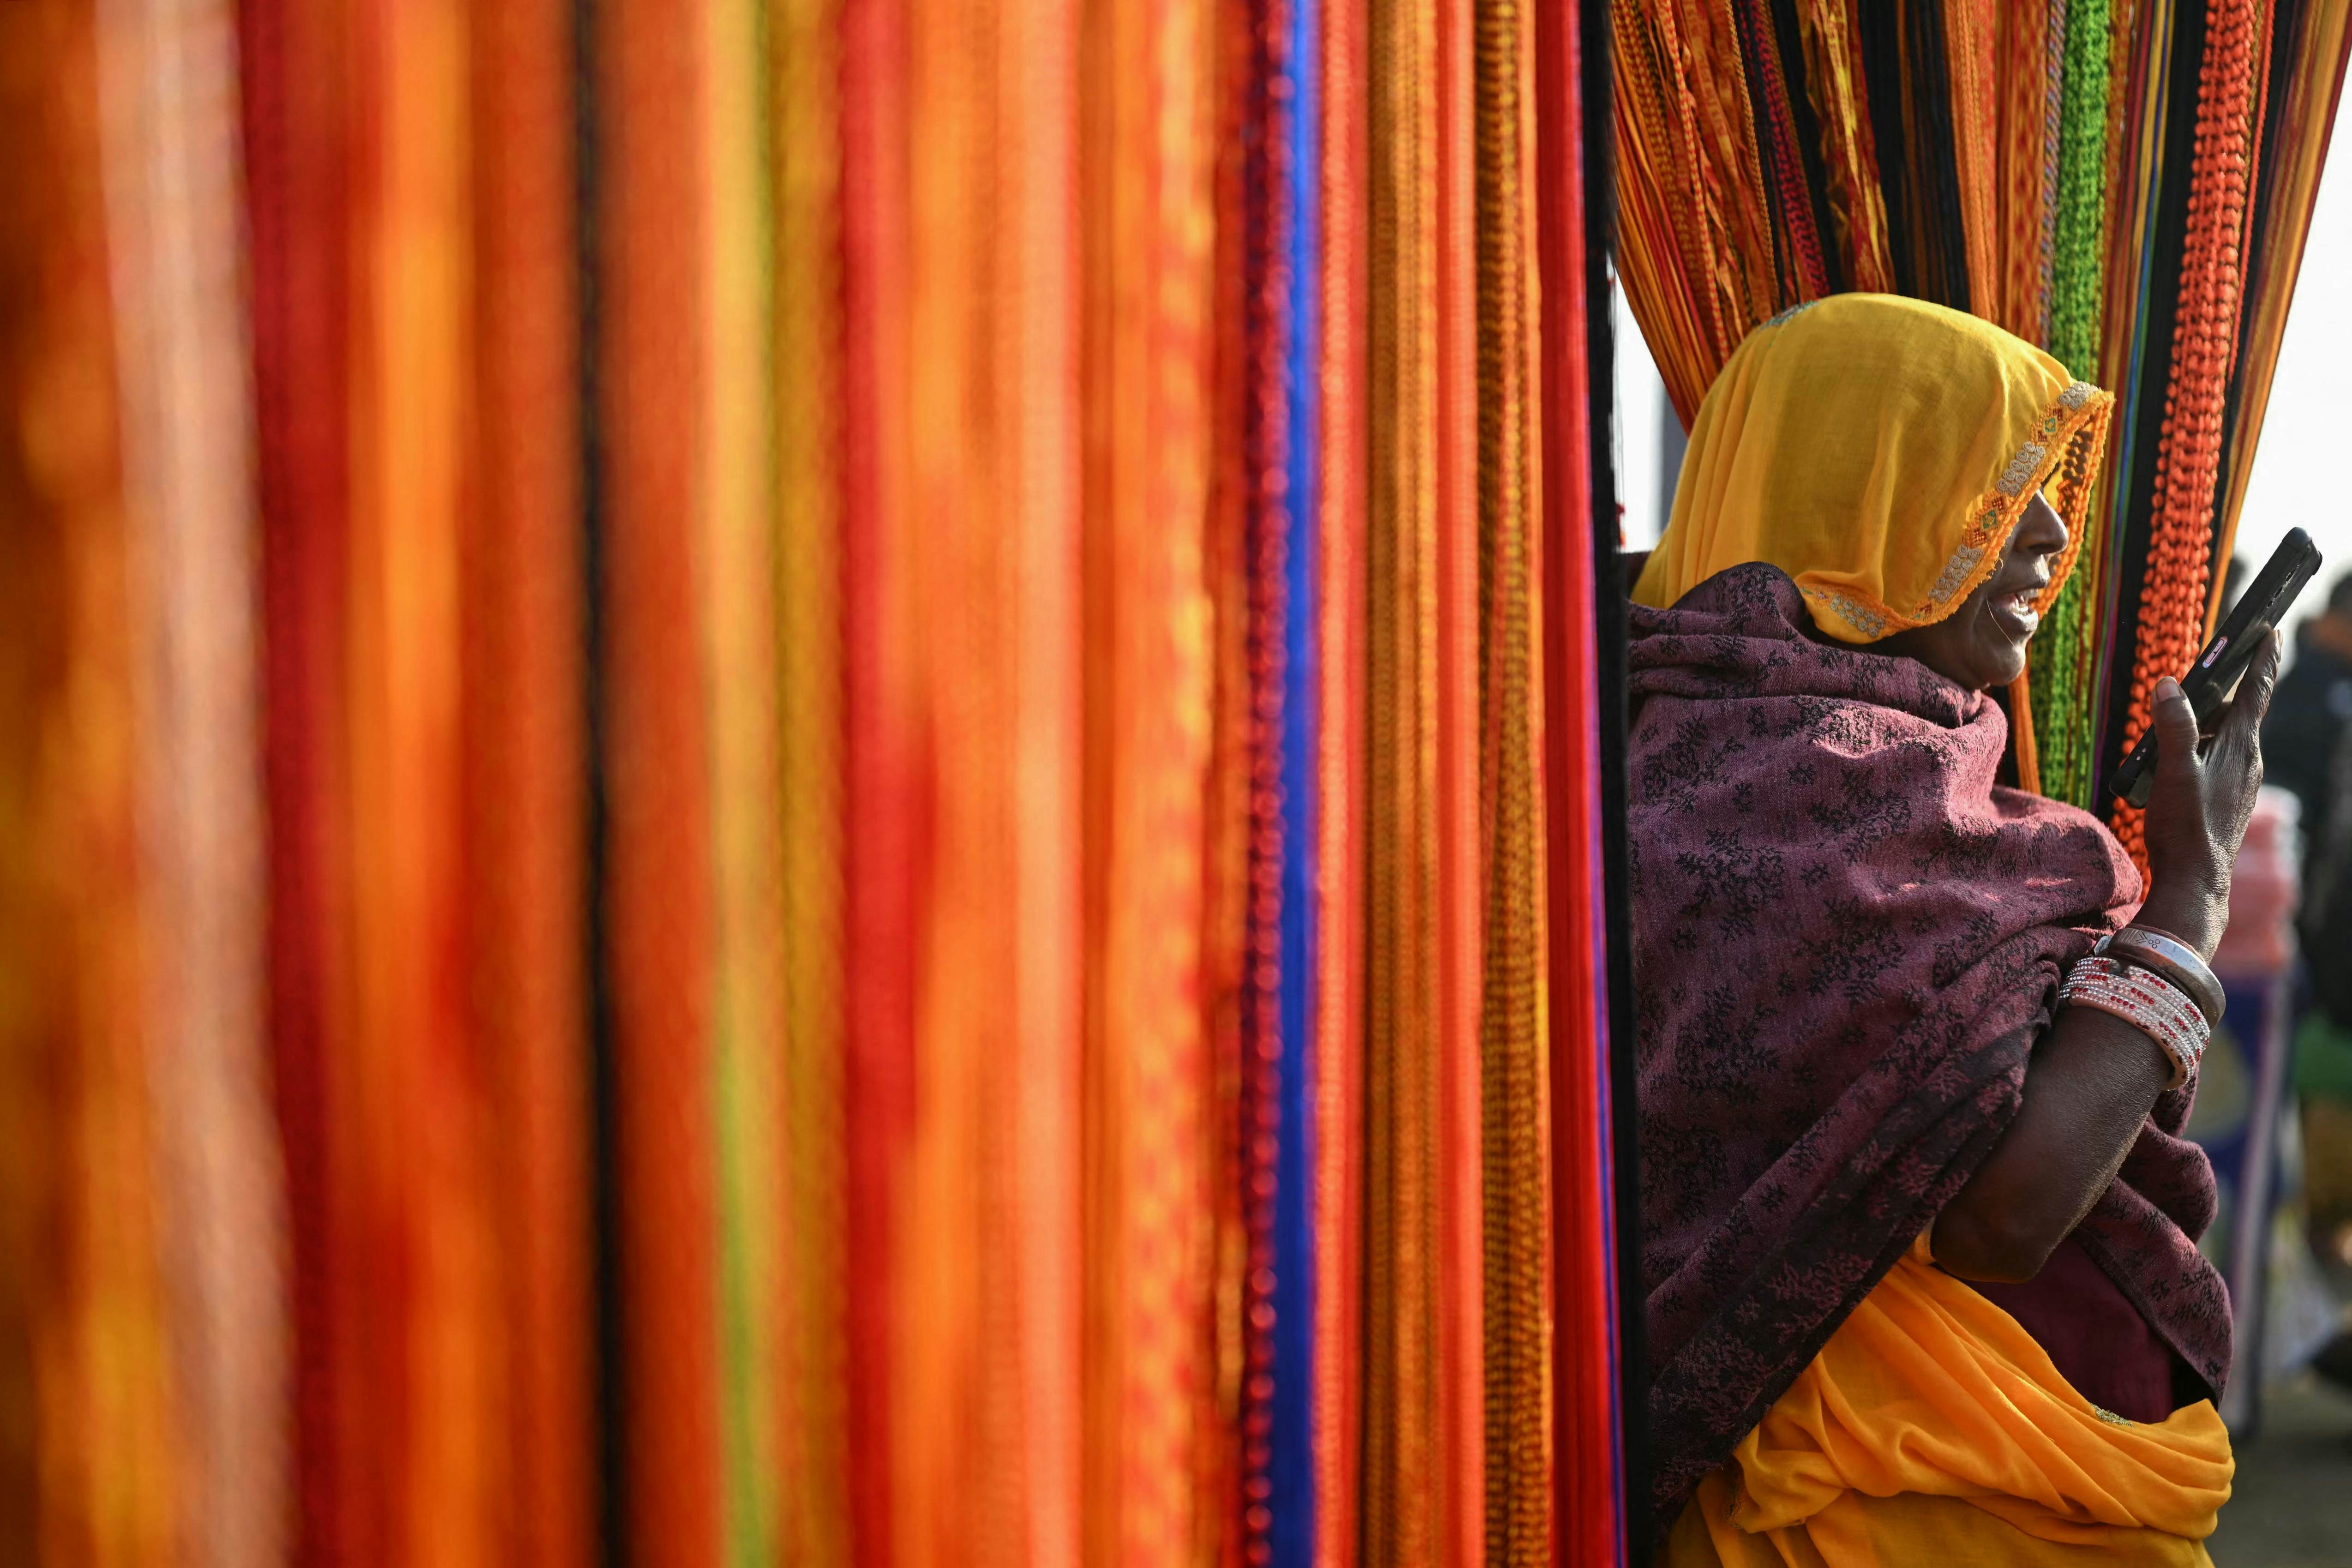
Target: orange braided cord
<point>1833,82</point>
<point>1514,1160</point>
<point>1399,1506</point>
<point>1968,37</point>
<point>1695,244</point>
<point>2173,593</point>
<point>2027,150</point>
<point>1457,805</point>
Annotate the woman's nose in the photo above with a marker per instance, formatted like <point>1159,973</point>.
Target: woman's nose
<point>2041,529</point>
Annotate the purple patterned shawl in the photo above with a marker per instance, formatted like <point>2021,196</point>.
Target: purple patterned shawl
<point>1845,939</point>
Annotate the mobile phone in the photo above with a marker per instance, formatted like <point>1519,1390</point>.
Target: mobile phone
<point>2215,675</point>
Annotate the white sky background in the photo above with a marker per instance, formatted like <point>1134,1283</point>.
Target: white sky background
<point>2302,465</point>
<point>2301,476</point>
<point>1642,411</point>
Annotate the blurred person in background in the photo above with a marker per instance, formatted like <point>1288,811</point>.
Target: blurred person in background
<point>2313,705</point>
<point>2304,743</point>
<point>2323,1054</point>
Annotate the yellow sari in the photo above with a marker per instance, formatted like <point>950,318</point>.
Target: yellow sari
<point>1933,1429</point>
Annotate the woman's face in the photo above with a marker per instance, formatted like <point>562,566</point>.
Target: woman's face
<point>1981,644</point>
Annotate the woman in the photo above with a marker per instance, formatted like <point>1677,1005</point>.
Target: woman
<point>1919,1240</point>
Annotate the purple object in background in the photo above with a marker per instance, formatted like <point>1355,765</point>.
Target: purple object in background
<point>2242,1087</point>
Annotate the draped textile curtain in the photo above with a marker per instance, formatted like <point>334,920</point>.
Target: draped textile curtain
<point>805,781</point>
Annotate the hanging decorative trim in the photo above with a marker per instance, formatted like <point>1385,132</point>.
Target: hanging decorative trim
<point>1515,1110</point>
<point>925,877</point>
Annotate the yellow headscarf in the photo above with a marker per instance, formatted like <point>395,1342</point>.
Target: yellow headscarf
<point>1879,451</point>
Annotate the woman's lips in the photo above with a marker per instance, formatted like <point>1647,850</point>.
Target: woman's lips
<point>2015,609</point>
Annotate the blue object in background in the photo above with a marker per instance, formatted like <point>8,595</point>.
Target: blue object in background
<point>2240,1093</point>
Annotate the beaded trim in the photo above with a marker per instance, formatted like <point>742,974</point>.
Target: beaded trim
<point>2071,414</point>
<point>1853,611</point>
<point>1955,571</point>
<point>2021,468</point>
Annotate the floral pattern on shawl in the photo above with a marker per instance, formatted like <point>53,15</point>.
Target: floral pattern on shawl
<point>1846,938</point>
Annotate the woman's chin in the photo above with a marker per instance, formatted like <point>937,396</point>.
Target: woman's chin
<point>2003,668</point>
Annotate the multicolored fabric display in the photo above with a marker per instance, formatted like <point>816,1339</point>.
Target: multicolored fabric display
<point>2126,184</point>
<point>813,782</point>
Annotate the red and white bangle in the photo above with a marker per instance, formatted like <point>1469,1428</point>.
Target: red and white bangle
<point>2146,1001</point>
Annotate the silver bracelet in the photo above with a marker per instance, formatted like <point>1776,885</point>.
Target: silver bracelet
<point>2161,952</point>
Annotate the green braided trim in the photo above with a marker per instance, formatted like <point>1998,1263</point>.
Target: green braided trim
<point>2074,284</point>
<point>2062,658</point>
<point>2060,676</point>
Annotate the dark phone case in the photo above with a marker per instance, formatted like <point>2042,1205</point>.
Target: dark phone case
<point>2223,661</point>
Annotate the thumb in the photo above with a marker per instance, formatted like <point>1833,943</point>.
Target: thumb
<point>2176,728</point>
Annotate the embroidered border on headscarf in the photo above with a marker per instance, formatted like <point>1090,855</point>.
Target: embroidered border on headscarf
<point>2071,414</point>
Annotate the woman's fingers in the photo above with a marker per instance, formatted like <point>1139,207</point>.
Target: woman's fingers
<point>2238,745</point>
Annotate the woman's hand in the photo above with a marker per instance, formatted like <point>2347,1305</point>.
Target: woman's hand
<point>2091,1078</point>
<point>2197,812</point>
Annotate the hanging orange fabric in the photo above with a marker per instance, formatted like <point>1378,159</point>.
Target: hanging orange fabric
<point>295,91</point>
<point>737,592</point>
<point>1037,375</point>
<point>1144,161</point>
<point>1588,1502</point>
<point>972,1479</point>
<point>417,1120</point>
<point>816,1285</point>
<point>883,851</point>
<point>523,734</point>
<point>650,227</point>
<point>2026,134</point>
<point>1457,804</point>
